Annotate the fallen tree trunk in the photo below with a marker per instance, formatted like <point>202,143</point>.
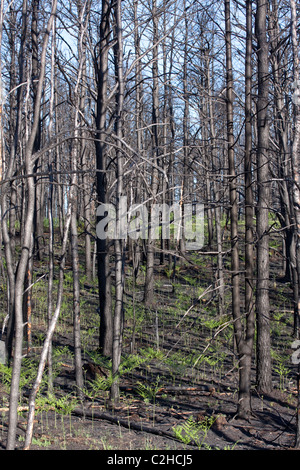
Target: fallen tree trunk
<point>126,423</point>
<point>175,389</point>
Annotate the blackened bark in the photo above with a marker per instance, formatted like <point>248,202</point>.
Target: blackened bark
<point>246,344</point>
<point>103,264</point>
<point>296,188</point>
<point>38,215</point>
<point>149,281</point>
<point>264,378</point>
<point>119,242</point>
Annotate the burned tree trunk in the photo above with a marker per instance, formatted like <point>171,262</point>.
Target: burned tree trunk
<point>264,381</point>
<point>119,242</point>
<point>104,273</point>
<point>149,281</point>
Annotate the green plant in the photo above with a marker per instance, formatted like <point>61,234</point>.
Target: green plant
<point>194,432</point>
<point>27,376</point>
<point>283,371</point>
<point>40,442</point>
<point>68,278</point>
<point>128,364</point>
<point>190,280</point>
<point>277,321</point>
<point>5,374</point>
<point>62,406</point>
<point>136,314</point>
<point>60,352</point>
<point>100,384</point>
<point>149,392</point>
<point>106,446</point>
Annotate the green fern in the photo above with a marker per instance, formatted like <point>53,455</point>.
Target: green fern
<point>149,392</point>
<point>193,432</point>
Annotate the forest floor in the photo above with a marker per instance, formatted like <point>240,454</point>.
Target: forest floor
<point>179,376</point>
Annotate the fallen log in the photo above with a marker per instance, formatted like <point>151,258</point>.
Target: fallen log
<point>174,389</point>
<point>126,423</point>
<point>187,389</point>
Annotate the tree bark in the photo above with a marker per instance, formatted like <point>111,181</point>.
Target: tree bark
<point>103,261</point>
<point>9,245</point>
<point>296,184</point>
<point>232,175</point>
<point>220,284</point>
<point>120,241</point>
<point>264,366</point>
<point>38,214</point>
<point>149,278</point>
<point>246,344</point>
<point>22,266</point>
